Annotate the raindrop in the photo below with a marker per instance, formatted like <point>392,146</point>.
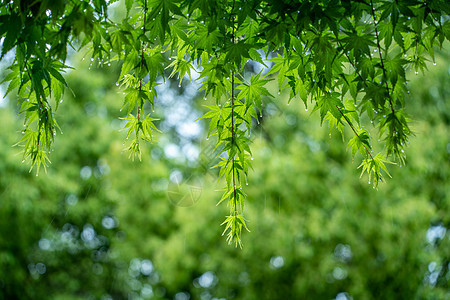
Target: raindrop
<point>306,109</point>
<point>170,58</point>
<point>434,63</point>
<point>117,84</point>
<point>92,59</point>
<point>279,92</point>
<point>109,64</point>
<point>179,85</point>
<point>251,157</point>
<point>416,72</point>
<point>374,50</point>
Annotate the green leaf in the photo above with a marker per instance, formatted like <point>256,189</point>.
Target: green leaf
<point>131,100</point>
<point>129,5</point>
<point>394,69</point>
<point>361,143</point>
<point>236,52</point>
<point>11,25</point>
<point>329,103</point>
<point>373,166</point>
<point>253,90</point>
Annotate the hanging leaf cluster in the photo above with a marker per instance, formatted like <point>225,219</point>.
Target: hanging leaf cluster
<point>346,59</point>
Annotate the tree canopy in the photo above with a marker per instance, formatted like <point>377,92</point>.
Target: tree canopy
<point>347,60</point>
<point>98,226</point>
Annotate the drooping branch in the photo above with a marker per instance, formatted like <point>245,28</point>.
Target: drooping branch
<point>141,102</point>
<point>233,133</point>
<point>381,57</point>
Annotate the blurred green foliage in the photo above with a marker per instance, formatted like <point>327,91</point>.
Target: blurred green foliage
<point>99,226</point>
